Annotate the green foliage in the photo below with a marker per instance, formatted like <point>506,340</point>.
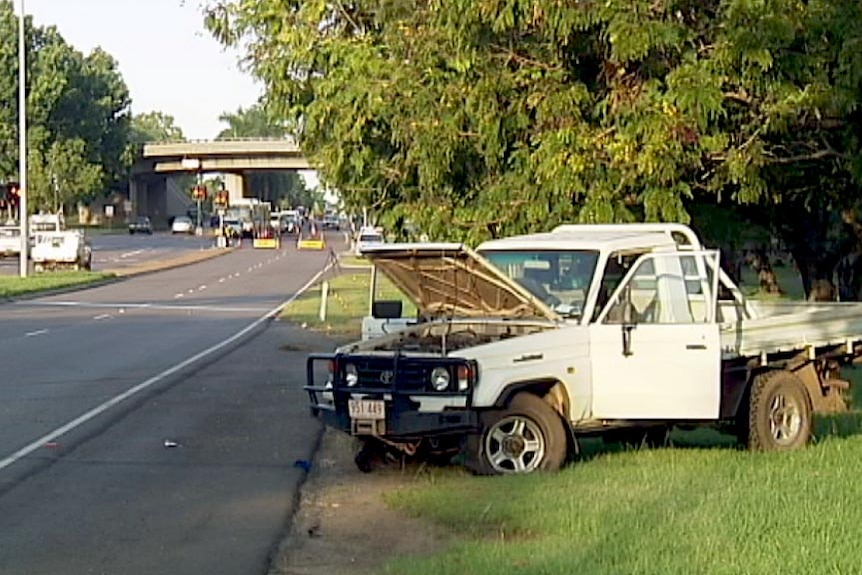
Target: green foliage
<point>478,118</point>
<point>701,509</point>
<point>77,116</point>
<point>15,286</point>
<point>154,127</point>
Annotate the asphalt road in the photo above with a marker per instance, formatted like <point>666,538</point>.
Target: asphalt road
<point>122,251</point>
<point>153,425</point>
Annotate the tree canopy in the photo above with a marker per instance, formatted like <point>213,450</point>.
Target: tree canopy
<point>77,116</point>
<point>481,118</point>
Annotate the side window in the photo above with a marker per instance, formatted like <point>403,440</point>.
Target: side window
<point>667,289</point>
<point>615,270</point>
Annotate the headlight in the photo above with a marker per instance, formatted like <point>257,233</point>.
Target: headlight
<point>440,378</point>
<point>351,375</point>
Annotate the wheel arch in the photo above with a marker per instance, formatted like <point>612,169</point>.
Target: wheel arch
<point>553,391</point>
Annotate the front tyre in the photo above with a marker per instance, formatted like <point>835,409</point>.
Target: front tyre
<point>525,437</point>
<point>779,415</point>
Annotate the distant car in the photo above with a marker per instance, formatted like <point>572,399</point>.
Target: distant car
<point>277,224</point>
<point>366,237</point>
<point>331,222</point>
<point>10,241</point>
<point>182,225</point>
<point>141,225</point>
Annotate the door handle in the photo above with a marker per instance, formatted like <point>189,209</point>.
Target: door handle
<point>696,346</point>
<point>529,357</point>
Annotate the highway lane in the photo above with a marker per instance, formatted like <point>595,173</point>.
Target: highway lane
<point>87,486</point>
<point>119,251</point>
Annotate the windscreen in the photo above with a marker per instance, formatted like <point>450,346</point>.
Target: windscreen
<point>560,279</point>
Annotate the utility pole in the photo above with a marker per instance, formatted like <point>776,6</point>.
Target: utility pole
<point>22,142</point>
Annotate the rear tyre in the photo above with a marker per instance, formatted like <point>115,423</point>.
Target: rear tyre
<point>525,437</point>
<point>779,413</point>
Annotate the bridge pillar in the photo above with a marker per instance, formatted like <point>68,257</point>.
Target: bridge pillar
<point>235,185</point>
<point>149,198</point>
<point>135,195</point>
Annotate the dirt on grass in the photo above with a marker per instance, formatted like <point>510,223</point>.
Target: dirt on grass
<point>343,526</point>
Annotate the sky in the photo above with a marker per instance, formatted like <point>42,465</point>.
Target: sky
<point>169,61</point>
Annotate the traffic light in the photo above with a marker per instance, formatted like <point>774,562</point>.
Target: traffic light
<point>222,198</point>
<point>199,192</point>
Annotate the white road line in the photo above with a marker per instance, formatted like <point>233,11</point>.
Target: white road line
<point>37,332</point>
<point>221,280</point>
<point>179,295</point>
<point>102,316</point>
<point>130,254</point>
<point>117,399</point>
<point>202,288</point>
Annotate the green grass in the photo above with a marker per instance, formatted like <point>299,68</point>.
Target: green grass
<point>347,303</point>
<point>665,511</point>
<point>12,286</point>
<point>701,506</point>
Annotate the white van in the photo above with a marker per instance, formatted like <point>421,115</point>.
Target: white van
<point>366,237</point>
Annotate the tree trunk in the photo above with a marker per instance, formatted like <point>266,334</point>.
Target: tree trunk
<point>816,275</point>
<point>765,274</point>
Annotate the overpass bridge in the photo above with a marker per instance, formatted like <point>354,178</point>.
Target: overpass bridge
<point>152,193</point>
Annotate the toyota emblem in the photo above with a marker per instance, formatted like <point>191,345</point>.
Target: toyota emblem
<point>386,377</point>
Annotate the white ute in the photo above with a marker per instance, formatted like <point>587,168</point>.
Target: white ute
<point>55,248</point>
<point>623,331</point>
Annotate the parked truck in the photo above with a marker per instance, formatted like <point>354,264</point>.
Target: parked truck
<point>529,343</point>
<point>53,247</point>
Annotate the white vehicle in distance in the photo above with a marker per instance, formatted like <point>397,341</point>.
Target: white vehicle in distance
<point>366,237</point>
<point>276,223</point>
<point>10,241</point>
<point>182,225</point>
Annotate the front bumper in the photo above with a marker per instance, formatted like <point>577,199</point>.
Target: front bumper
<point>403,420</point>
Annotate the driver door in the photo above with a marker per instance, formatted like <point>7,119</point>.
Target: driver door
<point>655,348</point>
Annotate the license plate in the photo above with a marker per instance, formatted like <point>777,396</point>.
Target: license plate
<point>366,409</point>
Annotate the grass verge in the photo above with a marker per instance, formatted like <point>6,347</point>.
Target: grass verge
<point>346,305</point>
<point>669,511</point>
<point>13,286</point>
<point>702,506</point>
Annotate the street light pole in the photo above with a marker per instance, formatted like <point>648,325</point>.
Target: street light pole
<point>22,142</point>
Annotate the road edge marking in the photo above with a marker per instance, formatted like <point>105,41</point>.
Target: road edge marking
<point>117,399</point>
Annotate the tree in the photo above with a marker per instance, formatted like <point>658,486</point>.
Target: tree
<point>250,122</point>
<point>77,110</point>
<point>477,119</point>
<point>154,127</point>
